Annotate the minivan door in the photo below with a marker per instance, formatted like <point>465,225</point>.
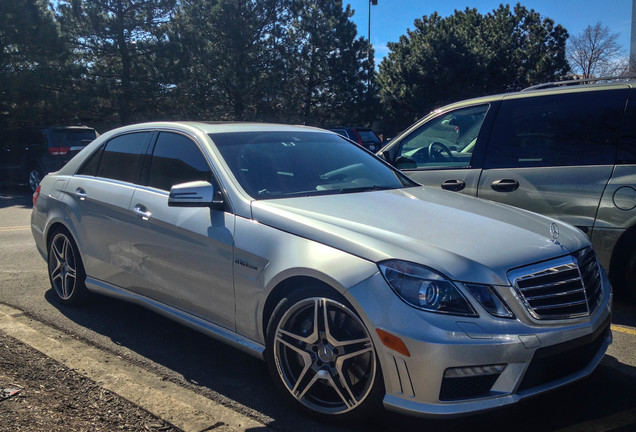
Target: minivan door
<point>554,154</point>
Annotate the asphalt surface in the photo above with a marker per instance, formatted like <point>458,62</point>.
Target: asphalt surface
<point>604,401</point>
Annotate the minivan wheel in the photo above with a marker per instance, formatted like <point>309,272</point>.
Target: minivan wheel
<point>629,277</point>
<point>34,177</point>
<point>66,271</point>
<point>321,356</point>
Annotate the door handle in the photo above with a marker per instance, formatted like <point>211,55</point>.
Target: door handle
<point>505,185</point>
<point>454,185</point>
<point>142,212</point>
<point>80,193</point>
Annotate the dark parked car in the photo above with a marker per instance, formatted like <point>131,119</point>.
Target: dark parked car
<point>28,154</point>
<point>362,136</point>
<point>567,152</point>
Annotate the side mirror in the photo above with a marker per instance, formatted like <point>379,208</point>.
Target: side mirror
<point>195,194</point>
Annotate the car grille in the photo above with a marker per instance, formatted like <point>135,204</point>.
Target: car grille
<point>567,287</point>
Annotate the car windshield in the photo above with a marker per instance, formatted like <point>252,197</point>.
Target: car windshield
<point>287,164</point>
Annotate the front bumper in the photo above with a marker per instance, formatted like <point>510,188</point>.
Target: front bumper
<point>536,356</point>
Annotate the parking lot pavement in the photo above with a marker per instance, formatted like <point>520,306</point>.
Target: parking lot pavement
<point>172,406</point>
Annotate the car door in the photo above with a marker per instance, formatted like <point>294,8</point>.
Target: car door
<point>444,151</point>
<point>181,256</point>
<point>554,154</point>
<point>101,192</point>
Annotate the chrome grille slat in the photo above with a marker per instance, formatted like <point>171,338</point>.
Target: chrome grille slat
<point>556,294</point>
<point>536,287</point>
<point>563,288</point>
<point>556,306</point>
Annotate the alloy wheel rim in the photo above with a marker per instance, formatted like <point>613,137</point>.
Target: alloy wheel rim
<point>34,179</point>
<point>325,356</point>
<point>62,266</point>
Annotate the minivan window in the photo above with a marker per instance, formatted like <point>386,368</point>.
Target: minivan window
<point>446,141</point>
<point>557,130</point>
<point>627,146</point>
<point>122,157</point>
<point>176,159</point>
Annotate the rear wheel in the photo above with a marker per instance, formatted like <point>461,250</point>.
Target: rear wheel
<point>66,271</point>
<point>629,277</point>
<point>322,357</point>
<point>34,177</point>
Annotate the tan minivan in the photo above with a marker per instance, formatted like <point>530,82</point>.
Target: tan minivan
<point>568,152</point>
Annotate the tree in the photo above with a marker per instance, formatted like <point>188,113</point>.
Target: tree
<point>330,65</point>
<point>468,54</point>
<point>595,52</point>
<point>223,55</point>
<point>115,42</point>
<point>30,55</point>
<point>273,60</point>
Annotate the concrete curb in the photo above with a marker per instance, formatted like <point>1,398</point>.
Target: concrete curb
<point>172,403</point>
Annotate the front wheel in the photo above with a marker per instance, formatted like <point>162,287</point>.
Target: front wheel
<point>322,357</point>
<point>66,271</point>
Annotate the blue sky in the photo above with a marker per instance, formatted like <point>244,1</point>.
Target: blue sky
<point>391,18</point>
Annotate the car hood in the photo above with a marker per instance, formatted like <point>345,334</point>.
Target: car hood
<point>465,238</point>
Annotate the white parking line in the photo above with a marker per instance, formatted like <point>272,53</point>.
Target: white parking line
<point>172,403</point>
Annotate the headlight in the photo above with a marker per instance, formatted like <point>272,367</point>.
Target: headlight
<point>489,299</point>
<point>424,288</point>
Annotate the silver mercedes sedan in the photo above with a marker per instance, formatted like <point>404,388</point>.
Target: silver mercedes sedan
<point>357,286</point>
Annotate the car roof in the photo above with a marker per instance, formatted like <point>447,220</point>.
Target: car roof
<point>532,92</point>
<point>222,127</point>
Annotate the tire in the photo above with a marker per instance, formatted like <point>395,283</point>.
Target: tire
<point>322,358</point>
<point>66,271</point>
<point>629,277</point>
<point>34,177</point>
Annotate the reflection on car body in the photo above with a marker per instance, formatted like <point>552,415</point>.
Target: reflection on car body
<point>356,285</point>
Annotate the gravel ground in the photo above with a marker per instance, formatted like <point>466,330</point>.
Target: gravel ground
<point>39,394</point>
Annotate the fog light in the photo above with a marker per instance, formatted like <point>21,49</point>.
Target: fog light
<point>469,371</point>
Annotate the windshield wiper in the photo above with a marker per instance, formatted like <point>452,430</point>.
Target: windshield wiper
<point>365,189</point>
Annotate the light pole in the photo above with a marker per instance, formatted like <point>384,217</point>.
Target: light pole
<point>371,3</point>
<point>374,3</point>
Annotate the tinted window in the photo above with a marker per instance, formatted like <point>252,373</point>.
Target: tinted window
<point>122,157</point>
<point>368,136</point>
<point>559,130</point>
<point>31,138</point>
<point>72,137</point>
<point>446,141</point>
<point>627,148</point>
<point>92,163</point>
<point>176,159</point>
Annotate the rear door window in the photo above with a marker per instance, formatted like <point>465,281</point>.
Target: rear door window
<point>122,157</point>
<point>571,129</point>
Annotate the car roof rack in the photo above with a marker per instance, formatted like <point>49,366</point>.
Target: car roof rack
<point>580,81</point>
